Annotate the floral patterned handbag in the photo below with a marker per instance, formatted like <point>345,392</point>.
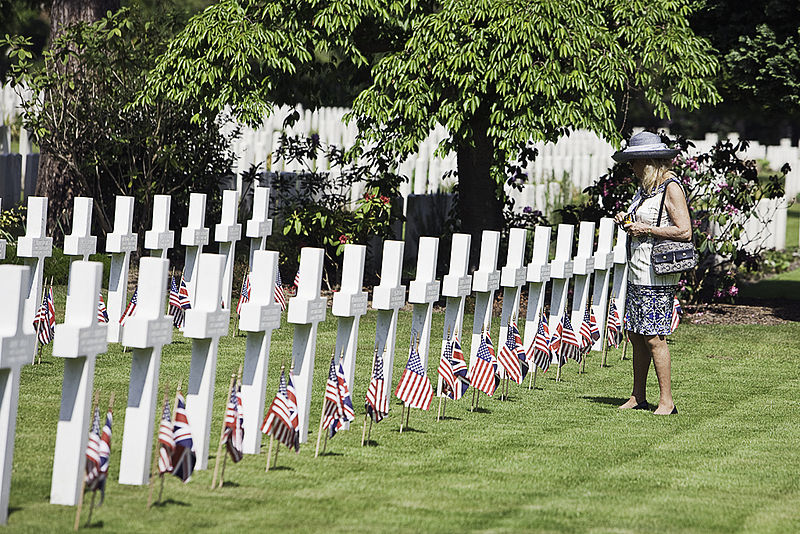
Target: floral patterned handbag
<point>669,257</point>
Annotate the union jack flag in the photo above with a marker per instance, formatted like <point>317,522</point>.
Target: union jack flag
<point>282,421</point>
<point>175,304</point>
<point>483,375</point>
<point>166,441</point>
<point>614,326</point>
<point>98,454</point>
<point>44,322</point>
<point>280,296</point>
<point>460,370</point>
<point>539,351</point>
<point>244,294</point>
<point>183,295</point>
<point>376,401</point>
<point>676,314</point>
<point>570,346</point>
<point>183,457</point>
<point>130,311</point>
<point>338,404</point>
<point>414,388</point>
<point>512,356</point>
<point>555,341</point>
<point>102,312</point>
<point>445,370</point>
<point>233,434</point>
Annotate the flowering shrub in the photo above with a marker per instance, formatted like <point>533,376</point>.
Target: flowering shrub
<point>722,192</point>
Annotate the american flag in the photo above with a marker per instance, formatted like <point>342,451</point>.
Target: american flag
<point>98,454</point>
<point>570,346</point>
<point>614,327</point>
<point>297,281</point>
<point>593,328</point>
<point>483,375</point>
<point>586,332</point>
<point>102,312</point>
<point>282,421</point>
<point>512,356</point>
<point>183,295</point>
<point>555,341</point>
<point>376,402</point>
<point>338,404</point>
<point>233,434</point>
<point>175,304</point>
<point>539,351</point>
<point>244,294</point>
<point>130,311</point>
<point>445,370</point>
<point>414,388</point>
<point>676,314</point>
<point>280,296</point>
<point>460,370</point>
<point>166,441</point>
<point>183,457</point>
<point>45,320</point>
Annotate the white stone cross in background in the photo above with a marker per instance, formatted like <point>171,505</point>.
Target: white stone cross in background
<point>227,233</point>
<point>456,286</point>
<point>81,242</point>
<point>485,281</point>
<point>603,261</point>
<point>349,304</point>
<point>388,297</point>
<point>159,239</point>
<point>147,332</point>
<point>423,292</point>
<point>205,323</point>
<point>2,241</point>
<point>538,276</point>
<point>560,273</point>
<point>512,278</point>
<point>619,287</point>
<point>260,316</point>
<point>17,343</point>
<point>78,340</point>
<point>35,246</point>
<point>259,227</point>
<point>194,236</point>
<point>119,243</point>
<point>306,311</point>
<point>582,269</point>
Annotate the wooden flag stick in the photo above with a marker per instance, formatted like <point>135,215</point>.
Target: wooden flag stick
<point>269,453</point>
<point>402,417</point>
<point>625,345</point>
<point>222,474</point>
<point>221,437</point>
<point>364,430</point>
<point>95,402</point>
<point>91,509</point>
<point>605,337</point>
<point>225,458</point>
<point>408,415</point>
<point>439,411</point>
<point>156,454</point>
<point>319,433</point>
<point>369,432</point>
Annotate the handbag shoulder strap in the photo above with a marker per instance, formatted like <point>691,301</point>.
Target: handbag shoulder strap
<point>664,197</point>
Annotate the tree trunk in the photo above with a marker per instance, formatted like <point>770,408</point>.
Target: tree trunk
<point>55,180</point>
<point>479,206</point>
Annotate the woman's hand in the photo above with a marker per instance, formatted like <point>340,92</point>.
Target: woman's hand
<point>619,218</point>
<point>637,229</point>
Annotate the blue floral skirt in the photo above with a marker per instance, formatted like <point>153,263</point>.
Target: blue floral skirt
<point>648,309</point>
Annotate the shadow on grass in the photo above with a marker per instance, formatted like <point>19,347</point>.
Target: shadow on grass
<point>449,418</point>
<point>611,401</point>
<point>331,453</point>
<point>481,409</point>
<point>227,484</point>
<point>280,468</point>
<point>371,443</point>
<point>94,524</point>
<point>169,502</point>
<point>410,429</point>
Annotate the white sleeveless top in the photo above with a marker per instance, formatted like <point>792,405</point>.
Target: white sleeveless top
<point>640,267</point>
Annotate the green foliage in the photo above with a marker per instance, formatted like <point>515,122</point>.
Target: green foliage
<point>86,117</point>
<point>12,222</point>
<point>722,192</point>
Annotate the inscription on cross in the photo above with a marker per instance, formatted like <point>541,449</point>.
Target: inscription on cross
<point>194,236</point>
<point>78,340</point>
<point>159,239</point>
<point>81,242</point>
<point>17,344</point>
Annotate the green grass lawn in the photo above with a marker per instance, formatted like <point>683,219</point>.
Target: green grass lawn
<point>557,459</point>
<point>781,286</point>
<point>793,226</point>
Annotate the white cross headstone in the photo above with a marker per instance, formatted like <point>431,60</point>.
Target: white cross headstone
<point>583,267</point>
<point>119,243</point>
<point>349,304</point>
<point>17,343</point>
<point>619,287</point>
<point>485,281</point>
<point>194,236</point>
<point>560,274</point>
<point>259,227</point>
<point>81,242</point>
<point>388,297</point>
<point>147,332</point>
<point>159,239</point>
<point>538,276</point>
<point>260,316</point>
<point>306,311</point>
<point>603,261</point>
<point>227,233</point>
<point>35,246</point>
<point>2,241</point>
<point>422,293</point>
<point>512,277</point>
<point>78,340</point>
<point>456,286</point>
<point>205,323</point>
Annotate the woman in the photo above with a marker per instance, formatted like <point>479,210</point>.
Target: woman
<point>650,296</point>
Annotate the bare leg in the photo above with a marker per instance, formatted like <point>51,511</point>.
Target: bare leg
<point>641,365</point>
<point>661,361</point>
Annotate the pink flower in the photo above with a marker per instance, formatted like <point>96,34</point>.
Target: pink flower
<point>718,293</point>
<point>733,291</point>
<point>343,239</point>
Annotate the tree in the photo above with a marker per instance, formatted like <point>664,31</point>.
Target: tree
<point>497,75</point>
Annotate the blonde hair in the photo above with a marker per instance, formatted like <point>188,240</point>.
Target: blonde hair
<point>655,173</point>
